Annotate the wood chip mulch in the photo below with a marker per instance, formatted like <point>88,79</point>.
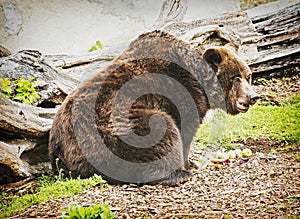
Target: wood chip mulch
<point>268,186</point>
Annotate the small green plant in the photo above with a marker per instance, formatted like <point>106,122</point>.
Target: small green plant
<point>294,199</point>
<point>228,216</point>
<point>89,212</point>
<point>5,87</point>
<point>60,176</point>
<point>287,148</point>
<point>21,90</point>
<point>282,208</point>
<point>297,157</point>
<point>261,81</point>
<point>98,45</point>
<point>49,187</point>
<point>273,151</point>
<point>230,146</point>
<point>25,91</point>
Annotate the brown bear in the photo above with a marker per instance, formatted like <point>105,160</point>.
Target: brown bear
<point>134,121</point>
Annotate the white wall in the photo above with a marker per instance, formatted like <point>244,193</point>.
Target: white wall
<point>73,26</point>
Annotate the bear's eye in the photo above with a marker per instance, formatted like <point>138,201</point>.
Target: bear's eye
<point>249,78</point>
<point>236,78</point>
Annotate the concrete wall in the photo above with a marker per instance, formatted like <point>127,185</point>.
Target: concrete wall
<point>73,26</point>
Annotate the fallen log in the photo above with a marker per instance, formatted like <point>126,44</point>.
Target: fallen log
<point>235,29</point>
<point>23,141</point>
<point>265,41</point>
<point>278,47</point>
<point>24,121</point>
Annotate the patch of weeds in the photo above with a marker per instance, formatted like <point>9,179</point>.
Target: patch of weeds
<point>282,208</point>
<point>49,187</point>
<point>280,123</point>
<point>297,157</point>
<point>98,45</point>
<point>273,151</point>
<point>287,148</point>
<point>294,217</point>
<point>247,4</point>
<point>294,199</point>
<point>2,195</point>
<point>20,90</point>
<point>230,146</point>
<point>91,212</point>
<point>6,89</point>
<point>260,81</point>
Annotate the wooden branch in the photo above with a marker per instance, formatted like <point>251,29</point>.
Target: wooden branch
<point>83,66</point>
<point>23,120</point>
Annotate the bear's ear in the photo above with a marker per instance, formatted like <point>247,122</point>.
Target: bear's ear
<point>213,57</point>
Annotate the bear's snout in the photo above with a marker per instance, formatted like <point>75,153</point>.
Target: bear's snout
<point>246,96</point>
<point>253,98</point>
<point>251,94</point>
<point>242,104</point>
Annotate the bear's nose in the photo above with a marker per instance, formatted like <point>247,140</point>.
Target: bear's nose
<point>253,98</point>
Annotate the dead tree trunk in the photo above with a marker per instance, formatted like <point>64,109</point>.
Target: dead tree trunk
<point>278,46</point>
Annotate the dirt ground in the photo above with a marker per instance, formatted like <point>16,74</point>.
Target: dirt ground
<point>268,186</point>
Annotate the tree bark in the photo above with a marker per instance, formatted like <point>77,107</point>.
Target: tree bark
<point>4,52</point>
<point>278,46</point>
<point>170,12</point>
<point>24,121</point>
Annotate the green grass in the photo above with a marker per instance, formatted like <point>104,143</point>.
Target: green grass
<point>297,157</point>
<point>280,123</point>
<point>48,188</point>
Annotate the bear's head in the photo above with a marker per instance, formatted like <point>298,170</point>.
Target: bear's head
<point>234,76</point>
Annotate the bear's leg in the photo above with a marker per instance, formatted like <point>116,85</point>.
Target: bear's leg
<point>168,153</point>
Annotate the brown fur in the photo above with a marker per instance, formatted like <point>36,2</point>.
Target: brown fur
<point>73,144</point>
